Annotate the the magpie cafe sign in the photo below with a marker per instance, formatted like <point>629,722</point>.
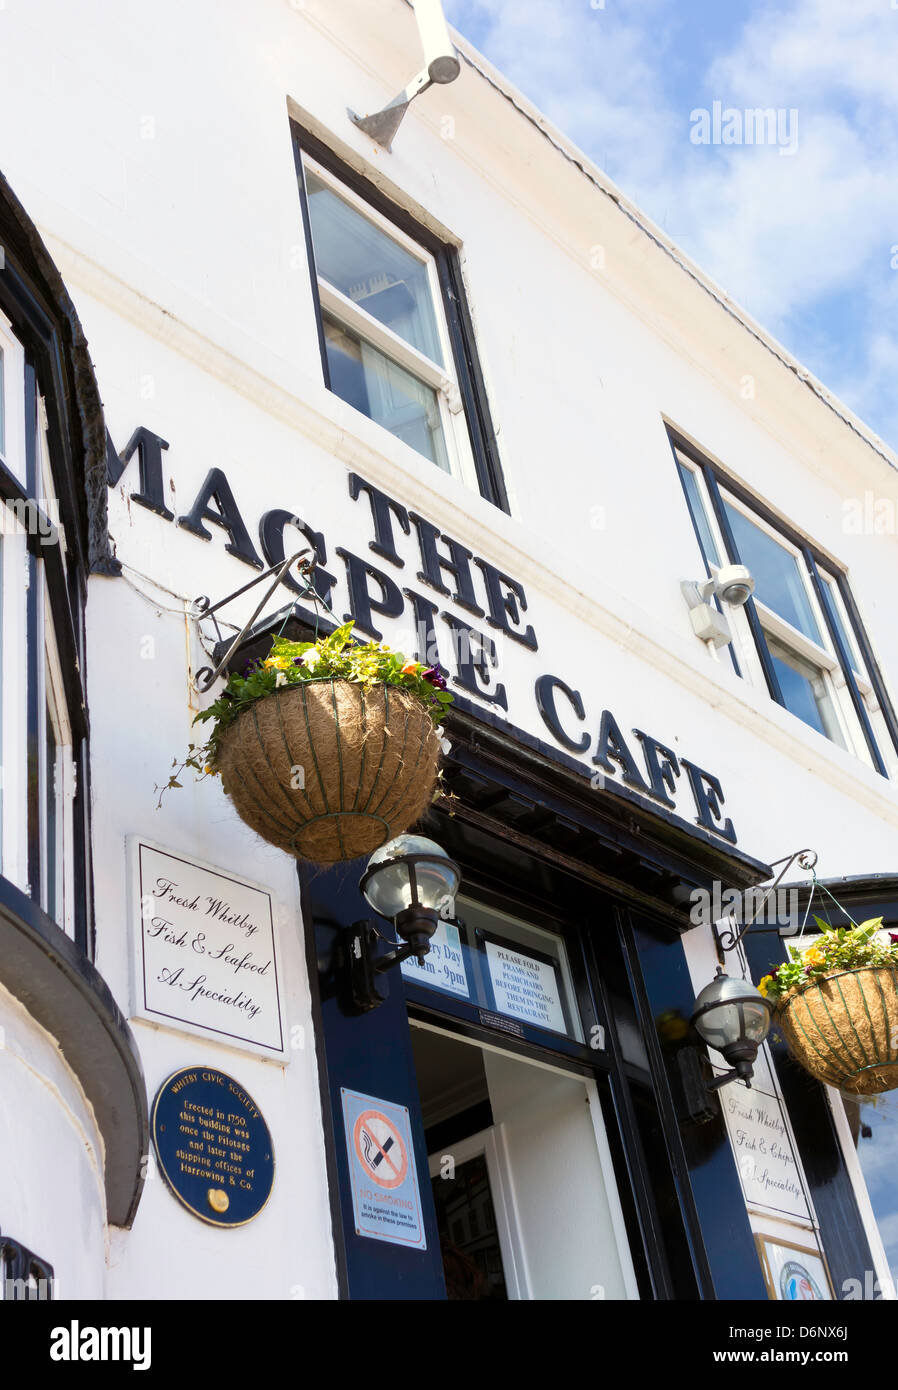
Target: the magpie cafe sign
<point>494,605</point>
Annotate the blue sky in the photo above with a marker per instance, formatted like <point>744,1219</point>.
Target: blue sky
<point>804,241</point>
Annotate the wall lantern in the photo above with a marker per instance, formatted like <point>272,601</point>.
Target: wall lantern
<point>732,1017</point>
<point>411,881</point>
<point>441,65</point>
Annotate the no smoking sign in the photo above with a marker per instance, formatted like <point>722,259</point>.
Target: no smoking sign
<point>386,1199</point>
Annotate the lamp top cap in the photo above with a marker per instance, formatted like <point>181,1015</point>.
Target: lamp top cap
<point>723,989</point>
<point>404,845</point>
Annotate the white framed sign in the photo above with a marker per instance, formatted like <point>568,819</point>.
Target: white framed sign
<point>206,958</point>
<point>768,1170</point>
<point>524,985</point>
<point>444,965</point>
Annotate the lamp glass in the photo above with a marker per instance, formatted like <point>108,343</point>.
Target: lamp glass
<point>389,889</point>
<point>739,1012</point>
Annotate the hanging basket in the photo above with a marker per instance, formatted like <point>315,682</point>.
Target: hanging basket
<point>329,769</point>
<point>843,1029</point>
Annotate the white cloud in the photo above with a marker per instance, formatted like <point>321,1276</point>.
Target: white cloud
<point>785,235</point>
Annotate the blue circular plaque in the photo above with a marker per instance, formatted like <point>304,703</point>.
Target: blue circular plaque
<point>213,1147</point>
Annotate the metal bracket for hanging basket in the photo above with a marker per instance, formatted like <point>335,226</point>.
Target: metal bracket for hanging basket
<point>202,607</point>
<point>729,940</point>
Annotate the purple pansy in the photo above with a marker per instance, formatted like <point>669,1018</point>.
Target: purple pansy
<point>434,675</point>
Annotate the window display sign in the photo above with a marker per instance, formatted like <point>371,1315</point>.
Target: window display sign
<point>525,985</point>
<point>206,959</point>
<point>764,1155</point>
<point>386,1200</point>
<point>444,965</point>
<point>793,1273</point>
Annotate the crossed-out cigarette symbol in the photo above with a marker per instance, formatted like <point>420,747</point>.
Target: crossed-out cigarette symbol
<point>380,1149</point>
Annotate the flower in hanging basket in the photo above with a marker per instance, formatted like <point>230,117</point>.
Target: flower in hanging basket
<point>837,1005</point>
<point>329,748</point>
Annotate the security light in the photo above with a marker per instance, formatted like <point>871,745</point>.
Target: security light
<point>441,65</point>
<point>733,585</point>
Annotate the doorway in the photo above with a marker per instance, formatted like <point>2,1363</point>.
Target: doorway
<point>525,1198</point>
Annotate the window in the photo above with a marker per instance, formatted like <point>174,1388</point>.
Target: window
<point>798,634</point>
<point>37,790</point>
<point>396,340</point>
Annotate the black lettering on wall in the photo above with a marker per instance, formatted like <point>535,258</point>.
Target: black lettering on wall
<point>709,800</point>
<point>363,603</point>
<point>271,537</point>
<point>475,654</point>
<point>457,563</point>
<point>504,594</point>
<point>217,489</point>
<point>426,644</point>
<point>149,447</point>
<point>381,508</point>
<point>546,687</point>
<point>612,748</point>
<point>662,766</point>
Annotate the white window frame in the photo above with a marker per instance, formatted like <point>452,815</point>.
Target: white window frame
<point>13,700</point>
<point>441,379</point>
<point>823,658</point>
<point>11,381</point>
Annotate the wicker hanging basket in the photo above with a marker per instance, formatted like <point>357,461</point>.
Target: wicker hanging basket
<point>843,1029</point>
<point>329,769</point>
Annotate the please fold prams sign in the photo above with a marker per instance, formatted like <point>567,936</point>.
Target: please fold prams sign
<point>205,958</point>
<point>467,647</point>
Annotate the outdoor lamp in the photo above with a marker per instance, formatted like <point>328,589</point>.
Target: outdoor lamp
<point>413,882</point>
<point>732,1017</point>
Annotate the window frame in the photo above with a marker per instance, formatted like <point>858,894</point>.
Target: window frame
<point>464,407</point>
<point>866,694</point>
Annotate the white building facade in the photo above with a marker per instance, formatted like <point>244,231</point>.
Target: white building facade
<point>509,418</point>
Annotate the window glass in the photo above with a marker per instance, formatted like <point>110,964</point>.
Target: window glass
<point>699,516</point>
<point>2,407</point>
<point>503,964</point>
<point>2,677</point>
<point>778,581</point>
<point>370,268</point>
<point>805,691</point>
<point>873,1122</point>
<point>836,615</point>
<point>363,377</point>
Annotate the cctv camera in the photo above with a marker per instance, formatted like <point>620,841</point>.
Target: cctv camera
<point>734,585</point>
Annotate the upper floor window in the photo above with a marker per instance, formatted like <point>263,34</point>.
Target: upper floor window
<point>395,334</point>
<point>799,634</point>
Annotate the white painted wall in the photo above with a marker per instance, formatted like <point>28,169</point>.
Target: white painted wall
<point>152,146</point>
<point>52,1199</point>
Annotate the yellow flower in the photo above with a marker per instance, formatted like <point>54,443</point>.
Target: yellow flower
<point>814,956</point>
<point>276,663</point>
<point>765,984</point>
<point>410,668</point>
